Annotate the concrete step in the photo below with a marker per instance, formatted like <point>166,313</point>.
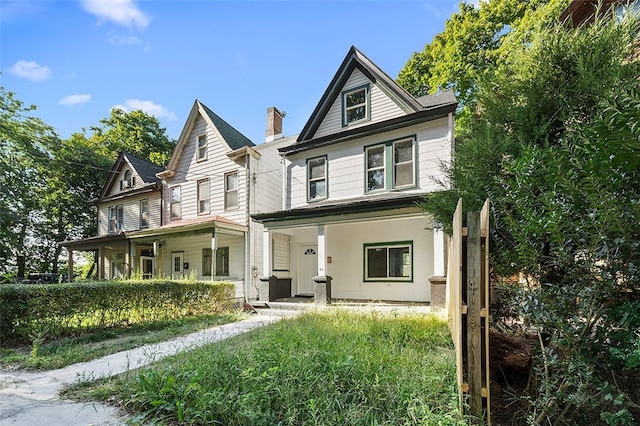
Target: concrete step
<point>278,312</point>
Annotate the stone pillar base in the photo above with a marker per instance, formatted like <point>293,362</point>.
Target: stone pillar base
<point>321,290</point>
<point>438,291</point>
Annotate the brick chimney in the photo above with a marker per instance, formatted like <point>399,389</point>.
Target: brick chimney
<point>274,124</point>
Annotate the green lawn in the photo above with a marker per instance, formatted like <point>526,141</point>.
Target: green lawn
<point>46,354</point>
<point>322,368</point>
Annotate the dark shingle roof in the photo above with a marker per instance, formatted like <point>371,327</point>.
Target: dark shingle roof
<point>234,138</point>
<point>144,168</point>
<point>446,97</point>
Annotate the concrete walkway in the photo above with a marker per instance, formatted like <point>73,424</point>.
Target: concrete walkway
<point>31,399</point>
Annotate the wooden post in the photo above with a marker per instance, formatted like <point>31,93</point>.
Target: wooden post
<point>474,306</point>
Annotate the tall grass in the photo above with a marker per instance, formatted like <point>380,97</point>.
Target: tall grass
<point>322,368</point>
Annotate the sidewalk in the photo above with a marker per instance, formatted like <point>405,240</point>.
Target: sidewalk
<point>31,399</point>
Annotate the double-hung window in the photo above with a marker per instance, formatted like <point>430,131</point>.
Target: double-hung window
<point>176,200</point>
<point>116,218</point>
<point>317,178</point>
<point>144,214</point>
<point>222,261</point>
<point>388,261</point>
<point>355,105</point>
<point>231,190</point>
<point>206,262</point>
<point>202,148</point>
<point>390,165</point>
<point>203,196</point>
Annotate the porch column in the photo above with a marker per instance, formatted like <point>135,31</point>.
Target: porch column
<point>322,282</point>
<point>438,280</point>
<point>214,247</point>
<point>132,256</point>
<point>127,261</point>
<point>100,264</point>
<point>263,290</point>
<point>156,249</point>
<point>70,265</point>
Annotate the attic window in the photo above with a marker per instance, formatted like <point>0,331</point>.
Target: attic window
<point>128,181</point>
<point>202,147</point>
<point>355,105</point>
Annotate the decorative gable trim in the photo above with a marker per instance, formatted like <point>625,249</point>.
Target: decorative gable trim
<point>145,170</point>
<point>357,60</point>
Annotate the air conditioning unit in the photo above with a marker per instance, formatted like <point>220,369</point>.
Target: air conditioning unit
<point>126,184</point>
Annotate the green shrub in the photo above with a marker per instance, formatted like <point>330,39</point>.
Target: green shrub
<point>73,308</point>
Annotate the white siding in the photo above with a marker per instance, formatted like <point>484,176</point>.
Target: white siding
<point>346,162</point>
<point>189,171</point>
<point>131,207</point>
<point>382,107</point>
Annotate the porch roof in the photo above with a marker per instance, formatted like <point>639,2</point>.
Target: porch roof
<point>196,225</point>
<point>368,203</point>
<point>94,243</point>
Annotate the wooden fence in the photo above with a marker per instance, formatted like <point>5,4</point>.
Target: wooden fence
<point>467,306</point>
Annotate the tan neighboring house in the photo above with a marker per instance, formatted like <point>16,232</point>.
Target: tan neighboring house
<point>349,223</point>
<point>192,217</point>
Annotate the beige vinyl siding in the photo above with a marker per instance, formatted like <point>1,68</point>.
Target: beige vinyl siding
<point>382,107</point>
<point>131,210</point>
<point>346,162</point>
<point>217,164</point>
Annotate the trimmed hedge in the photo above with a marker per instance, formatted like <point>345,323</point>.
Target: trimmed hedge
<point>59,310</point>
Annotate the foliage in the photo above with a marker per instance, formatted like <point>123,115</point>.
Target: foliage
<point>320,368</point>
<point>47,353</point>
<point>556,148</point>
<point>47,184</point>
<point>59,310</point>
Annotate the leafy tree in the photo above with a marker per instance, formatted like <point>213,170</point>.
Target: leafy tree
<point>556,147</point>
<point>136,132</point>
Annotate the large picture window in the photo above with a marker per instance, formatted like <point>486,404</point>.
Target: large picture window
<point>388,261</point>
<point>176,200</point>
<point>317,178</point>
<point>355,105</point>
<point>390,165</point>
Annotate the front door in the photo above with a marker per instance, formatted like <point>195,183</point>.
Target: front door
<point>146,267</point>
<point>177,265</point>
<point>308,261</point>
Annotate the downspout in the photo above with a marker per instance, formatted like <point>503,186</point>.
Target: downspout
<point>284,182</point>
<point>247,234</point>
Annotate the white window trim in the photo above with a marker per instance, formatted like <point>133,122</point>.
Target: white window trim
<point>199,155</point>
<point>323,178</point>
<point>148,213</point>
<point>227,191</point>
<point>368,169</point>
<point>200,199</point>
<point>366,104</point>
<point>115,215</point>
<point>171,203</point>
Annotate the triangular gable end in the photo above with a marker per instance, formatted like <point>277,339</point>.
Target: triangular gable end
<point>143,168</point>
<point>356,60</point>
<point>226,133</point>
<point>114,173</point>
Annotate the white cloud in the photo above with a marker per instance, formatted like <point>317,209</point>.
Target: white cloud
<point>31,70</point>
<point>149,107</point>
<point>75,99</point>
<point>120,40</point>
<point>121,12</point>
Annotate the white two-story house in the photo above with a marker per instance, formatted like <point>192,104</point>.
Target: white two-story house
<point>196,223</point>
<point>367,155</point>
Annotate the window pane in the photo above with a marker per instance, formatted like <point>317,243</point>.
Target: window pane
<point>317,189</point>
<point>399,262</point>
<point>206,262</point>
<point>232,181</point>
<point>316,168</point>
<point>375,179</point>
<point>231,199</point>
<point>403,151</point>
<point>175,210</point>
<point>375,157</point>
<point>356,114</point>
<point>175,194</point>
<point>144,213</point>
<point>404,174</point>
<point>355,98</point>
<point>377,262</point>
<point>222,261</point>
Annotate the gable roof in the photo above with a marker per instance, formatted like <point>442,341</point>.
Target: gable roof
<point>226,132</point>
<point>145,169</point>
<point>357,60</point>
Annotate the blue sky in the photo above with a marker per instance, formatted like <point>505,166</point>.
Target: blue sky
<point>76,60</point>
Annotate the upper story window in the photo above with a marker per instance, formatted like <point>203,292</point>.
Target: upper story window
<point>355,105</point>
<point>317,178</point>
<point>128,181</point>
<point>202,148</point>
<point>203,196</point>
<point>176,200</point>
<point>231,190</point>
<point>391,165</point>
<point>388,261</point>
<point>144,213</point>
<point>116,218</point>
